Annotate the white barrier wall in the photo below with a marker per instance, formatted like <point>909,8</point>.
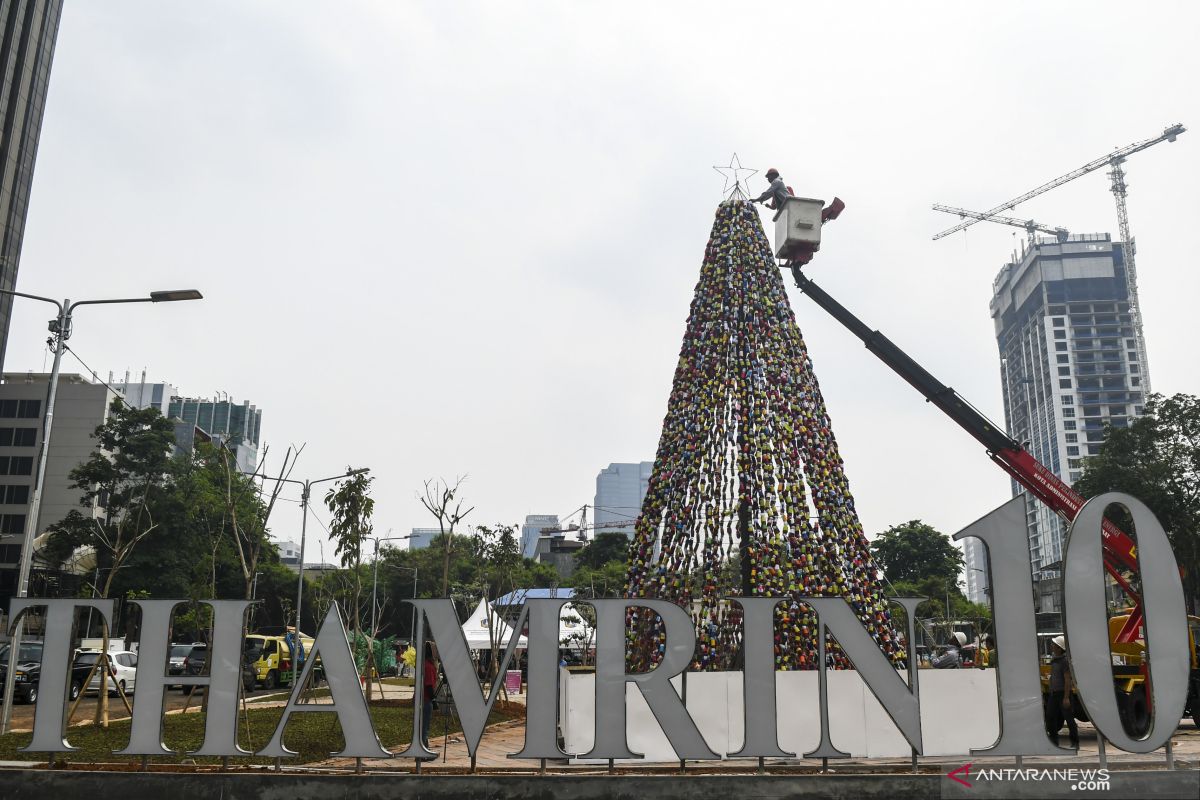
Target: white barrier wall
<point>958,714</point>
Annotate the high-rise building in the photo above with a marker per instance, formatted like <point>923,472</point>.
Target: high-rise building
<point>533,528</point>
<point>80,407</point>
<point>420,538</point>
<point>236,425</point>
<point>1069,366</point>
<point>140,394</point>
<point>620,490</point>
<point>28,29</point>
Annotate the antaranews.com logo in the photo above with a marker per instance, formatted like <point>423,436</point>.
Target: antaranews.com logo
<point>1083,780</point>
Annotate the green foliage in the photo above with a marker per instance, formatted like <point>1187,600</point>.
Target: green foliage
<point>1157,460</point>
<point>128,473</point>
<point>352,506</point>
<point>605,548</point>
<point>606,580</point>
<point>915,551</point>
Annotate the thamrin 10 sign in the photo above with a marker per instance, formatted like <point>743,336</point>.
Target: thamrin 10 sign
<point>1022,731</point>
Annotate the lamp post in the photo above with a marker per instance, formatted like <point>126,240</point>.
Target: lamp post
<point>304,495</point>
<point>60,329</point>
<point>375,581</point>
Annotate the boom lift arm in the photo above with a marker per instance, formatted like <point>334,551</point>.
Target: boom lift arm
<point>1120,554</point>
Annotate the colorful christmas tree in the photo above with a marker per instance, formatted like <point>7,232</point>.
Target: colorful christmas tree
<point>748,496</point>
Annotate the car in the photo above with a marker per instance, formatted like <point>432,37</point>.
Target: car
<point>196,663</point>
<point>123,670</point>
<point>29,673</point>
<point>177,657</point>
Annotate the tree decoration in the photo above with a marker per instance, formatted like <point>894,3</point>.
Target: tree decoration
<point>748,496</point>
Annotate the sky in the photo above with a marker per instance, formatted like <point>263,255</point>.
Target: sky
<point>444,239</point>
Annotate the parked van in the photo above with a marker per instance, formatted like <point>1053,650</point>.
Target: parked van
<point>271,658</point>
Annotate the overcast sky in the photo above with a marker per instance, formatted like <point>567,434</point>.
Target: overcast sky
<point>461,238</point>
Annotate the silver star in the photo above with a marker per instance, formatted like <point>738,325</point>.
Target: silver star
<point>734,173</point>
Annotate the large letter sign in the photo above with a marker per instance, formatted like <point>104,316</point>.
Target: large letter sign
<point>1087,623</point>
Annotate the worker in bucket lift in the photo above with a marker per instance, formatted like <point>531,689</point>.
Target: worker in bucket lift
<point>774,198</point>
<point>776,193</point>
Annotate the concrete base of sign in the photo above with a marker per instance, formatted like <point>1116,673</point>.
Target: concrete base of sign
<point>958,714</point>
<point>46,785</point>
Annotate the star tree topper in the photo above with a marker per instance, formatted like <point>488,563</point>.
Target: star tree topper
<point>736,174</point>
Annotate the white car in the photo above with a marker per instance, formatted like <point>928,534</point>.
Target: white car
<point>123,667</point>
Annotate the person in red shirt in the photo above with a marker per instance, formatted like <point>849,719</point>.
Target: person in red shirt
<point>429,686</point>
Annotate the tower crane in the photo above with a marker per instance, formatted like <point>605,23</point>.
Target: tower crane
<point>1116,174</point>
<point>1029,225</point>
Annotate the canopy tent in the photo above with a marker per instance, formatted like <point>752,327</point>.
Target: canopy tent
<point>477,630</point>
<point>573,630</point>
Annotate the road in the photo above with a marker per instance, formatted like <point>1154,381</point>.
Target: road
<point>22,718</point>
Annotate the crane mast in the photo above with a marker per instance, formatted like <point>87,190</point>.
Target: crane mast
<point>1117,175</point>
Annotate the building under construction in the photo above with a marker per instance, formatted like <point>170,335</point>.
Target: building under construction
<point>1071,363</point>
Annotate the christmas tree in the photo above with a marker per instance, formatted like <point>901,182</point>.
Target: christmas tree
<point>748,496</point>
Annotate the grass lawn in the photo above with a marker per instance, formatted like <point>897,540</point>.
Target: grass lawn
<point>314,735</point>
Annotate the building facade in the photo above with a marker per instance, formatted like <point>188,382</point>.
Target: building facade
<point>620,490</point>
<point>1069,366</point>
<point>81,407</point>
<point>140,394</point>
<point>420,538</point>
<point>533,529</point>
<point>289,555</point>
<point>28,30</point>
<point>235,425</point>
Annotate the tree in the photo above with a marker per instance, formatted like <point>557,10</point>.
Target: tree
<point>125,475</point>
<point>439,496</point>
<point>914,551</point>
<point>1157,460</point>
<point>606,547</point>
<point>351,504</point>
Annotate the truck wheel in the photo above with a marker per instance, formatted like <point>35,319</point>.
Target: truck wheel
<point>272,681</point>
<point>1135,713</point>
<point>31,698</point>
<point>75,690</point>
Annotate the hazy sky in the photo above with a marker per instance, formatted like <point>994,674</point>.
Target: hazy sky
<point>461,238</point>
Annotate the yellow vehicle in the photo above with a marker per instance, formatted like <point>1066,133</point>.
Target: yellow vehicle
<point>271,658</point>
<point>1129,678</point>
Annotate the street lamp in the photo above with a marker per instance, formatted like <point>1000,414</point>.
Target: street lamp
<point>375,582</point>
<point>304,495</point>
<point>60,329</point>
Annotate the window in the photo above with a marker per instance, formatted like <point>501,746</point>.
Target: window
<point>12,523</point>
<point>1060,334</point>
<point>1136,381</point>
<point>1072,451</point>
<point>1132,356</point>
<point>1068,400</point>
<point>29,409</point>
<point>1074,477</point>
<point>14,495</point>
<point>1063,358</point>
<point>1060,346</point>
<point>8,409</point>
<point>1134,368</point>
<point>1064,383</point>
<point>1064,370</point>
<point>20,465</point>
<point>1069,426</point>
<point>1072,437</point>
<point>1068,412</point>
<point>18,437</point>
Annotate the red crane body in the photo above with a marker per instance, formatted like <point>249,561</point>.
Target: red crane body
<point>1120,552</point>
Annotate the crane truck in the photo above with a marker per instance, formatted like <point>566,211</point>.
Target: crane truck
<point>1120,553</point>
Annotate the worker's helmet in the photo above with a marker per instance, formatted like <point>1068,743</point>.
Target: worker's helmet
<point>772,174</point>
<point>960,637</point>
<point>1060,642</point>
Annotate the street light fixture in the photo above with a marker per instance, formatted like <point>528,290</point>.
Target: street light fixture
<point>304,495</point>
<point>375,582</point>
<point>60,330</point>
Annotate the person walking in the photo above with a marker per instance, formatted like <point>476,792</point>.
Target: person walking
<point>428,687</point>
<point>1058,702</point>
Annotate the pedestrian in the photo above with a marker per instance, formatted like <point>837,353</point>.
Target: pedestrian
<point>1058,702</point>
<point>428,688</point>
<point>985,656</point>
<point>951,657</point>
